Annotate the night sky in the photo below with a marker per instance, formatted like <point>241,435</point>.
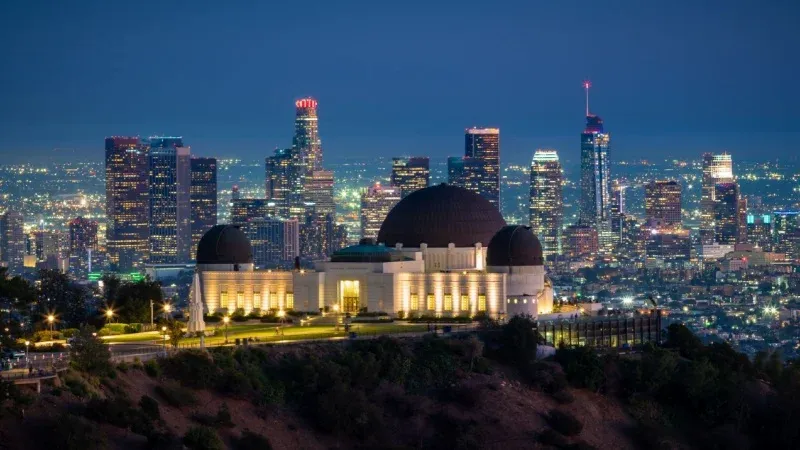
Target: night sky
<point>392,78</point>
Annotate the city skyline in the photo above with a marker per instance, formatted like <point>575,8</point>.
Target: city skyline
<point>670,97</point>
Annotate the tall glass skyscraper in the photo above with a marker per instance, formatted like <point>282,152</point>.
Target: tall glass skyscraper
<point>716,169</point>
<point>376,203</point>
<point>127,202</point>
<point>12,241</point>
<point>726,213</point>
<point>82,246</point>
<point>284,180</point>
<point>546,200</point>
<point>662,202</point>
<point>595,202</point>
<point>170,204</point>
<point>483,146</point>
<point>306,135</point>
<point>203,198</point>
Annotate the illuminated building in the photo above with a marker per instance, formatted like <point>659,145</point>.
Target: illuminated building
<point>581,241</point>
<point>82,246</point>
<point>618,212</point>
<point>203,198</point>
<point>759,230</point>
<point>666,245</point>
<point>276,242</point>
<point>410,174</point>
<point>45,244</point>
<point>244,210</point>
<point>786,233</point>
<point>127,202</point>
<point>726,213</point>
<point>12,241</point>
<point>170,203</point>
<point>430,268</point>
<point>716,169</point>
<point>595,196</point>
<point>483,146</point>
<point>546,200</point>
<point>285,179</point>
<point>662,202</point>
<point>376,203</point>
<point>319,191</point>
<point>455,170</point>
<point>306,135</point>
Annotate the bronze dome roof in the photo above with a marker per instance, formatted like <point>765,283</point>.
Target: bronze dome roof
<point>515,245</point>
<point>224,244</point>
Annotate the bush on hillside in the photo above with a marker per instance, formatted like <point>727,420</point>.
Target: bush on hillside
<point>176,395</point>
<point>251,441</point>
<point>193,368</point>
<point>582,366</point>
<point>68,432</point>
<point>202,438</point>
<point>149,407</point>
<point>88,353</point>
<point>151,368</point>
<point>564,422</point>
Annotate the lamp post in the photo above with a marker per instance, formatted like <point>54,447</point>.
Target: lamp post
<point>27,345</point>
<point>109,315</point>
<point>50,321</point>
<point>225,320</point>
<point>164,338</point>
<point>151,312</point>
<point>167,310</point>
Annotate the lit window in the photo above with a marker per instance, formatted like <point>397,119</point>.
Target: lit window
<point>465,303</point>
<point>448,302</point>
<point>482,302</point>
<point>223,299</point>
<point>273,300</point>
<point>239,300</point>
<point>515,301</point>
<point>525,300</point>
<point>431,302</point>
<point>290,300</point>
<point>256,299</point>
<point>414,302</point>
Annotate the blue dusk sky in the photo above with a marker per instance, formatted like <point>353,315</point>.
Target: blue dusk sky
<point>670,79</point>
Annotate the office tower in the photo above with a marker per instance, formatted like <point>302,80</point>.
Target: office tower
<point>376,203</point>
<point>284,180</point>
<point>546,201</point>
<point>759,230</point>
<point>595,172</point>
<point>170,204</point>
<point>786,233</point>
<point>662,201</point>
<point>726,213</point>
<point>306,135</point>
<point>581,241</point>
<point>483,145</point>
<point>244,210</point>
<point>716,169</point>
<point>12,241</point>
<point>276,242</point>
<point>618,211</point>
<point>45,243</point>
<point>319,191</point>
<point>127,202</point>
<point>631,242</point>
<point>410,174</point>
<point>336,236</point>
<point>455,170</point>
<point>235,194</point>
<point>203,198</point>
<point>670,245</point>
<point>82,246</point>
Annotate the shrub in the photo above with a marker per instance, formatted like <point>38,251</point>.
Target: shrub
<point>149,407</point>
<point>202,438</point>
<point>212,319</point>
<point>132,328</point>
<point>68,432</point>
<point>76,385</point>
<point>251,441</point>
<point>152,368</point>
<point>554,438</point>
<point>583,367</point>
<point>563,397</point>
<point>123,367</point>
<point>69,332</point>
<point>564,422</point>
<point>221,419</point>
<point>193,368</point>
<point>176,395</point>
<point>88,353</point>
<point>115,411</point>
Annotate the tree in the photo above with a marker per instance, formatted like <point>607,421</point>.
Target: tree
<point>88,353</point>
<point>58,294</point>
<point>111,285</point>
<point>680,337</point>
<point>175,332</point>
<point>133,300</point>
<point>519,339</point>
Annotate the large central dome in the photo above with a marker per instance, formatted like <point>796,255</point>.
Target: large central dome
<point>440,215</point>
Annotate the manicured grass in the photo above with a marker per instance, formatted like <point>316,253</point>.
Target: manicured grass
<point>266,332</point>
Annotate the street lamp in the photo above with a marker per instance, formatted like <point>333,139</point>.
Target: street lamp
<point>50,321</point>
<point>164,338</point>
<point>109,315</point>
<point>27,344</point>
<point>225,320</point>
<point>167,310</point>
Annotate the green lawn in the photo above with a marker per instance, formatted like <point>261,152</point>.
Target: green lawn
<point>266,332</point>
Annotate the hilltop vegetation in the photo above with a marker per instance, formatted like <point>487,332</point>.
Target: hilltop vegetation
<point>474,391</point>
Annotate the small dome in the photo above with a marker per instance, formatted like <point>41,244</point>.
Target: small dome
<point>224,244</point>
<point>440,215</point>
<point>366,252</point>
<point>514,245</point>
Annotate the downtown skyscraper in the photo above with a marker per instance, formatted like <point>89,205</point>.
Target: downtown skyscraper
<point>82,246</point>
<point>716,169</point>
<point>376,203</point>
<point>170,202</point>
<point>410,173</point>
<point>203,198</point>
<point>595,182</point>
<point>482,145</point>
<point>662,202</point>
<point>12,241</point>
<point>127,202</point>
<point>306,135</point>
<point>546,201</point>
